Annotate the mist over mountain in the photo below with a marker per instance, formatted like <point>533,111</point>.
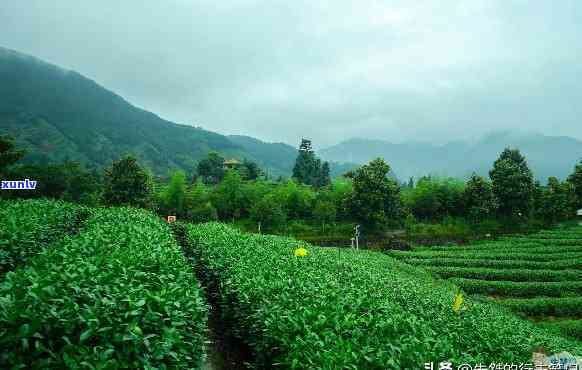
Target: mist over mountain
<point>57,115</point>
<point>546,155</point>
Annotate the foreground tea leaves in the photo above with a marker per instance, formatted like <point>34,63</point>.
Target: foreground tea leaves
<point>365,311</point>
<point>118,295</point>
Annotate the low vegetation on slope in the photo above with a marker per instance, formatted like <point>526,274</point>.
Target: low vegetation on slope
<point>537,275</point>
<point>334,309</point>
<point>29,226</point>
<point>120,294</point>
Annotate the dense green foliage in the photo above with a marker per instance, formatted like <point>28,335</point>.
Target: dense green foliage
<point>351,309</point>
<point>267,213</point>
<point>436,198</point>
<point>554,202</point>
<point>536,275</point>
<point>211,169</point>
<point>309,169</point>
<point>483,273</point>
<point>118,295</point>
<point>173,198</point>
<point>479,202</point>
<point>67,181</point>
<point>8,154</point>
<point>520,288</point>
<point>572,328</point>
<point>513,184</point>
<point>575,179</point>
<point>127,183</point>
<point>239,192</point>
<point>559,307</point>
<point>29,226</point>
<point>375,201</point>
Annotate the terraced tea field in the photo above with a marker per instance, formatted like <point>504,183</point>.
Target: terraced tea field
<point>538,276</point>
<point>298,306</point>
<point>113,288</point>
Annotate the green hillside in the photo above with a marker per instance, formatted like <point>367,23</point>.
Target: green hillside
<point>58,114</point>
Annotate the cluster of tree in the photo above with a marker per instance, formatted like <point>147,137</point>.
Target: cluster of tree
<point>510,195</point>
<point>266,202</point>
<point>367,196</point>
<point>212,169</point>
<point>308,168</point>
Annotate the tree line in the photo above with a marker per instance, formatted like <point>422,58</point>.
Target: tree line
<point>310,199</point>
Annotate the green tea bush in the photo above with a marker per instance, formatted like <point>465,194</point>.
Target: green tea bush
<point>28,226</point>
<point>118,295</point>
<point>495,263</point>
<point>479,254</point>
<point>512,248</point>
<point>506,274</point>
<point>520,289</point>
<point>562,307</point>
<point>551,242</point>
<point>572,328</point>
<point>349,309</point>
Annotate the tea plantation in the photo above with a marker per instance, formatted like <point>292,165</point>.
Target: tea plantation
<point>118,294</point>
<point>112,288</point>
<point>350,309</point>
<point>538,276</point>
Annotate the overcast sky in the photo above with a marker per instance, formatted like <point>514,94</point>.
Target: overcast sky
<point>330,70</point>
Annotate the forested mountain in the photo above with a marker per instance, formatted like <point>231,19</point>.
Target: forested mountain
<point>58,114</point>
<point>547,155</point>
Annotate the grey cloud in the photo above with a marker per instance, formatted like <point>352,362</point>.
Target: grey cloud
<point>330,70</point>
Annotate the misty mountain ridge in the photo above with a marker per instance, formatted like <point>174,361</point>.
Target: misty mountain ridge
<point>546,155</point>
<point>58,114</point>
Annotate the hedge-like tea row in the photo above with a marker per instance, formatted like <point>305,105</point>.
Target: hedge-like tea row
<point>488,246</point>
<point>571,328</point>
<point>520,289</point>
<point>511,248</point>
<point>506,274</point>
<point>562,307</point>
<point>118,295</point>
<point>549,241</point>
<point>350,309</point>
<point>498,264</point>
<point>29,226</point>
<point>478,254</point>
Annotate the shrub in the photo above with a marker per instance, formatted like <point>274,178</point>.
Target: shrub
<point>118,295</point>
<point>572,328</point>
<point>28,226</point>
<point>506,274</point>
<point>363,310</point>
<point>520,288</point>
<point>564,307</point>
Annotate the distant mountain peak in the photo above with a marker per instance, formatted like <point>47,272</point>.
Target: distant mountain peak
<point>547,155</point>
